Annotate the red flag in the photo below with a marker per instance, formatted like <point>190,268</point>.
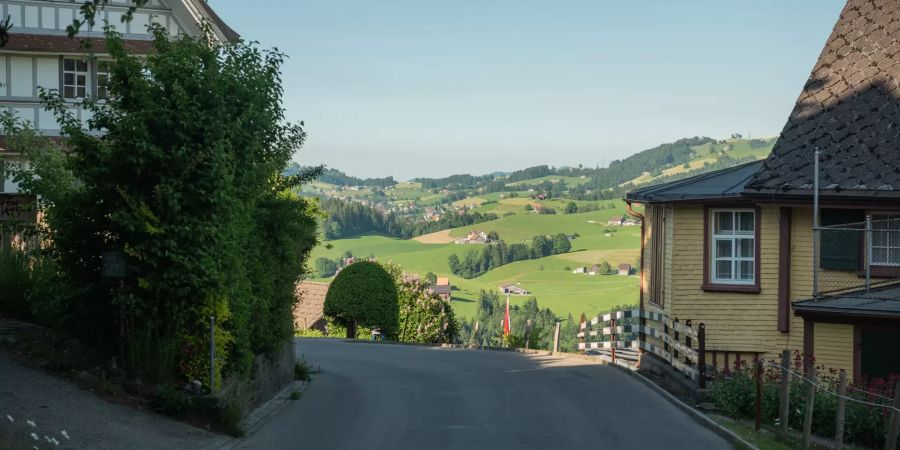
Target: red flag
<point>506,321</point>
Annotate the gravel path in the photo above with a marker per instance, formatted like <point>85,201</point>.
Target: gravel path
<point>54,405</point>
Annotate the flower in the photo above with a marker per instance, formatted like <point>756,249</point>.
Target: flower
<point>35,436</point>
<point>10,418</point>
<point>31,424</point>
<point>64,434</point>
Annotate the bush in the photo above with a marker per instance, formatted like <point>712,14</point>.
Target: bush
<point>363,294</point>
<point>29,287</point>
<point>735,393</point>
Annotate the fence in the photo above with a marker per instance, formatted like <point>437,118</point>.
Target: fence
<point>813,386</point>
<point>851,256</point>
<point>637,329</point>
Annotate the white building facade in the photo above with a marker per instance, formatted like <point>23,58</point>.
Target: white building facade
<point>39,54</point>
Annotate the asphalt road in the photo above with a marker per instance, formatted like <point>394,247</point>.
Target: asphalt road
<point>371,396</point>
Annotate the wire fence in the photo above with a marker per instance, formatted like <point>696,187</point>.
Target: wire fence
<point>856,256</point>
<point>828,390</point>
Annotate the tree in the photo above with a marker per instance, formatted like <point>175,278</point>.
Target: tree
<point>541,246</point>
<point>177,170</point>
<point>528,207</point>
<point>493,236</point>
<point>571,208</point>
<point>453,262</point>
<point>431,278</point>
<point>605,267</point>
<point>561,244</point>
<point>325,267</point>
<point>363,294</point>
<point>424,316</point>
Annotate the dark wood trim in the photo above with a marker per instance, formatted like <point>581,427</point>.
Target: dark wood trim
<point>808,344</point>
<point>881,271</point>
<point>857,353</point>
<point>708,286</point>
<point>737,288</point>
<point>841,316</point>
<point>784,269</point>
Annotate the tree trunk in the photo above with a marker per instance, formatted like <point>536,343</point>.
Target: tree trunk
<point>351,330</point>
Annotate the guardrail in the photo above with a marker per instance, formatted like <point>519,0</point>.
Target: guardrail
<point>671,340</point>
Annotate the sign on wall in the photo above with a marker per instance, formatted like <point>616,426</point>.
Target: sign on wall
<point>18,208</point>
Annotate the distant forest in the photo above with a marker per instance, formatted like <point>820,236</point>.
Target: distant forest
<point>346,219</point>
<point>338,178</point>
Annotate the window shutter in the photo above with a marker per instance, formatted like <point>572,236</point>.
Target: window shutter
<point>841,250</point>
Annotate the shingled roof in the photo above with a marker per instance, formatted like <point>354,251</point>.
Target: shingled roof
<point>849,109</point>
<point>310,304</point>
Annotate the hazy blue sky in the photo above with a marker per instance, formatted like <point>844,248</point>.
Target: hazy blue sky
<point>433,87</point>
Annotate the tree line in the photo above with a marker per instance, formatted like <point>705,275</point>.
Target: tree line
<point>338,178</point>
<point>345,219</point>
<point>498,253</point>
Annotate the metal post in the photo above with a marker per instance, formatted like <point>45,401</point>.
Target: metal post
<point>612,338</point>
<point>527,332</point>
<point>212,354</point>
<point>816,226</point>
<point>891,440</point>
<point>868,251</point>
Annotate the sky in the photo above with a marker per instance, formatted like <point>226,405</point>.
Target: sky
<point>429,88</point>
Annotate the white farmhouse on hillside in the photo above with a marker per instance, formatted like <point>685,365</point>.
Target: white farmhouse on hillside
<point>39,54</point>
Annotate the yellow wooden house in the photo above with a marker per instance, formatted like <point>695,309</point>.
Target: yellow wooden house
<point>736,248</point>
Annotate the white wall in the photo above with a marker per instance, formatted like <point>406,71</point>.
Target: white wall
<point>21,81</point>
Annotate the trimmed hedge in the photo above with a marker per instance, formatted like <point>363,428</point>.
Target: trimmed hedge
<point>364,294</point>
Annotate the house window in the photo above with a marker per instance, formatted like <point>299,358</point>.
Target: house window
<point>733,246</point>
<point>886,239</point>
<point>104,68</point>
<point>75,74</point>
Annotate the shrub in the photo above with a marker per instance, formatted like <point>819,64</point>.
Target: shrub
<point>735,393</point>
<point>363,294</point>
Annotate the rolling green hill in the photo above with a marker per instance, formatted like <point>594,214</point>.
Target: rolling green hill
<point>556,288</point>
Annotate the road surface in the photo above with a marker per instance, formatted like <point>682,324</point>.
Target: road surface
<point>372,396</point>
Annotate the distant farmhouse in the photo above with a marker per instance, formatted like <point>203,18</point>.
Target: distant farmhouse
<point>594,270</point>
<point>580,270</point>
<point>442,288</point>
<point>512,289</point>
<point>622,222</point>
<point>625,269</point>
<point>475,237</point>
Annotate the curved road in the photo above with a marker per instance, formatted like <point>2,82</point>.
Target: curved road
<point>413,397</point>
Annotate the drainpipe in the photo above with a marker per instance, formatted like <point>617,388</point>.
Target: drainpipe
<point>639,216</point>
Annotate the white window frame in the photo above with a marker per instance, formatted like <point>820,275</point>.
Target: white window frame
<point>75,73</point>
<point>734,236</point>
<point>890,247</point>
<point>102,73</point>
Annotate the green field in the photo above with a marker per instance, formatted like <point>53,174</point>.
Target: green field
<point>560,290</point>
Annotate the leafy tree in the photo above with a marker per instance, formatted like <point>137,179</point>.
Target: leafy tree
<point>561,244</point>
<point>424,316</point>
<point>178,169</point>
<point>325,267</point>
<point>571,208</point>
<point>363,294</point>
<point>493,236</point>
<point>431,278</point>
<point>528,207</point>
<point>541,246</point>
<point>453,262</point>
<point>605,267</point>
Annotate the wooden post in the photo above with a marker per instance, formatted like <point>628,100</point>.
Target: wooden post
<point>475,340</point>
<point>839,418</point>
<point>784,394</point>
<point>758,375</point>
<point>701,357</point>
<point>612,338</point>
<point>556,339</point>
<point>583,331</point>
<point>891,441</point>
<point>675,338</point>
<point>527,332</point>
<point>810,403</point>
<point>688,343</point>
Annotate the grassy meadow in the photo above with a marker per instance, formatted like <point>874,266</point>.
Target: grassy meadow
<point>555,288</point>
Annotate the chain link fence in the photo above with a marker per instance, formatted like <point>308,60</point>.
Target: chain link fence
<point>856,256</point>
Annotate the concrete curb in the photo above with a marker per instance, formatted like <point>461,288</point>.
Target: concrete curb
<point>698,416</point>
<point>260,416</point>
